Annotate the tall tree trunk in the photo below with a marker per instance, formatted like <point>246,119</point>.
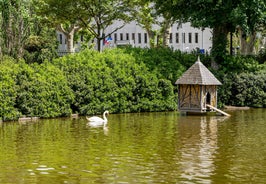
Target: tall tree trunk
<point>251,43</point>
<point>243,42</point>
<point>99,38</point>
<point>219,42</point>
<point>70,41</point>
<point>151,36</point>
<point>69,34</point>
<point>247,43</point>
<point>166,29</point>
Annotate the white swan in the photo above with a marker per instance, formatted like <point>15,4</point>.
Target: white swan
<point>97,121</point>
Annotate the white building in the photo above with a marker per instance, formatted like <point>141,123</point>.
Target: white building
<point>182,37</point>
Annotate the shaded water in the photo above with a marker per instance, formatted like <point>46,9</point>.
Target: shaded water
<point>137,148</point>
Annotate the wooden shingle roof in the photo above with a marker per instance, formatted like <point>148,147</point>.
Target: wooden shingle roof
<point>198,74</point>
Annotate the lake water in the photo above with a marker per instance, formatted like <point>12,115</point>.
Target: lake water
<point>137,148</point>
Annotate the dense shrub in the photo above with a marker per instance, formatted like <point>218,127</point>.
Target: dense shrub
<point>163,61</point>
<point>243,81</point>
<point>261,57</point>
<point>40,47</point>
<point>33,90</point>
<point>127,80</point>
<point>244,89</point>
<point>42,91</point>
<point>113,80</point>
<point>8,90</point>
<point>239,64</point>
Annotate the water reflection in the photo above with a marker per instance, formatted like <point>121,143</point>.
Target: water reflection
<point>199,145</point>
<point>136,148</point>
<point>105,128</point>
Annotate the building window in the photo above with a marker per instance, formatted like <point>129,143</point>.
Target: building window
<point>133,37</point>
<point>184,37</point>
<point>115,37</point>
<point>81,38</point>
<point>145,37</point>
<point>121,36</point>
<point>60,38</point>
<point>127,36</point>
<point>189,37</point>
<point>196,37</point>
<point>139,37</point>
<point>170,38</point>
<point>177,37</point>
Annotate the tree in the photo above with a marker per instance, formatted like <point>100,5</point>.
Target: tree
<point>146,17</point>
<point>167,19</point>
<point>103,14</point>
<point>254,13</point>
<point>95,16</point>
<point>223,16</point>
<point>15,24</point>
<point>62,16</point>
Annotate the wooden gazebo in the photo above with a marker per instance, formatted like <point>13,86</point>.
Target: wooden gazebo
<point>197,89</point>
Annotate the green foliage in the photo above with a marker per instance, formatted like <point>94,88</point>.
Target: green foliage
<point>113,80</point>
<point>222,16</point>
<point>22,35</point>
<point>239,64</point>
<point>33,90</point>
<point>245,89</point>
<point>162,61</point>
<point>41,46</point>
<point>14,22</point>
<point>243,81</point>
<point>261,57</point>
<point>118,80</point>
<point>8,90</point>
<point>250,89</point>
<point>42,91</point>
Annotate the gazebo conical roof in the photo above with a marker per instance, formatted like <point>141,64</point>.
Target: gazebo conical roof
<point>198,74</point>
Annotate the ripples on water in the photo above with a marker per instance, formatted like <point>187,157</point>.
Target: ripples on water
<point>137,148</point>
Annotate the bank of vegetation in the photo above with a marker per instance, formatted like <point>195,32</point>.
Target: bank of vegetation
<point>120,80</point>
<point>243,77</point>
<point>34,82</point>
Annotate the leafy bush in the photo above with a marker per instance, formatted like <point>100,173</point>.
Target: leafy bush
<point>113,80</point>
<point>240,64</point>
<point>120,80</point>
<point>42,91</point>
<point>8,90</point>
<point>261,57</point>
<point>41,46</point>
<point>163,61</point>
<point>243,81</point>
<point>245,89</point>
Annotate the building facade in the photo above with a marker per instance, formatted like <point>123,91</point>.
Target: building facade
<point>182,37</point>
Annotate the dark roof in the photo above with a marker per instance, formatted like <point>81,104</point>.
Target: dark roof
<point>198,74</point>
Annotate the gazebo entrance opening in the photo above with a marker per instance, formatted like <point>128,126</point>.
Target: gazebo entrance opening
<point>208,98</point>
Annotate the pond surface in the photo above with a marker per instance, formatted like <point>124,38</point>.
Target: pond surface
<point>137,148</point>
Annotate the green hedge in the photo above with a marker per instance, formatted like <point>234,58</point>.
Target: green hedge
<point>244,89</point>
<point>33,90</point>
<point>42,91</point>
<point>163,61</point>
<point>118,80</point>
<point>8,90</point>
<point>244,82</point>
<point>113,80</point>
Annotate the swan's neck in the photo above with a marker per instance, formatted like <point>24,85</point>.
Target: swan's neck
<point>104,117</point>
